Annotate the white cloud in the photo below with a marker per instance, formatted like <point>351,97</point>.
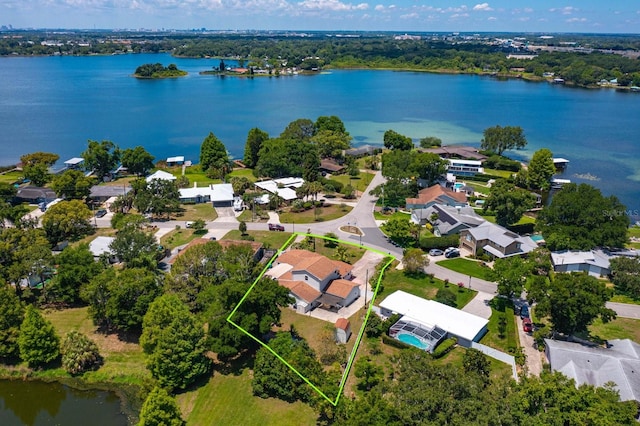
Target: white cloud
<point>568,10</point>
<point>459,15</point>
<point>484,7</point>
<point>332,5</point>
<point>379,7</point>
<point>410,16</point>
<point>492,18</point>
<point>528,10</point>
<point>572,20</point>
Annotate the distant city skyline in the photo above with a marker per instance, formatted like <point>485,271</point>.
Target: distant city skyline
<point>584,16</point>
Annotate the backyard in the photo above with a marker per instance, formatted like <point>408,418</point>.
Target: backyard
<point>502,334</point>
<point>327,212</point>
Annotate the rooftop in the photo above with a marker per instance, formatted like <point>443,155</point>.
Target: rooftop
<point>162,175</point>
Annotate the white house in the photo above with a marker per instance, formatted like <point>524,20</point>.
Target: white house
<point>220,195</point>
<point>285,188</point>
<point>464,167</point>
<point>160,174</point>
<point>432,315</point>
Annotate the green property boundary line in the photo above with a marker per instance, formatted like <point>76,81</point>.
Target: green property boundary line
<point>343,381</point>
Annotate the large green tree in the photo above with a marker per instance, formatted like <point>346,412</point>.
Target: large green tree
<point>288,157</point>
<point>272,378</point>
<point>395,141</point>
<point>255,139</point>
<point>39,344</point>
<point>72,184</point>
<point>511,274</point>
<point>158,197</point>
<point>67,220</point>
<point>160,409</point>
<point>23,252</point>
<point>137,160</point>
<point>35,166</point>
<point>625,275</point>
<point>300,130</point>
<point>213,153</point>
<point>120,299</point>
<point>579,217</point>
<point>401,230</point>
<point>499,139</point>
<point>428,166</point>
<point>101,157</point>
<point>76,266</point>
<point>11,316</point>
<point>179,356</point>
<point>540,170</point>
<point>508,202</point>
<point>574,301</point>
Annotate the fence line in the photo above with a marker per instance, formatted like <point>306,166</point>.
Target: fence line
<point>499,355</point>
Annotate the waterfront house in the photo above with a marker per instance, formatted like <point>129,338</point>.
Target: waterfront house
<point>461,152</point>
<point>330,166</point>
<point>436,194</point>
<point>464,167</point>
<point>495,240</point>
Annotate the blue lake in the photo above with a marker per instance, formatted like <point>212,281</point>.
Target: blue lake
<point>57,103</point>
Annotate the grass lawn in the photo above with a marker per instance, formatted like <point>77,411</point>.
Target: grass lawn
<point>12,176</point>
<point>502,173</point>
<point>328,212</point>
<point>353,253</point>
<point>501,310</point>
<point>202,211</point>
<point>620,328</point>
<point>635,233</point>
<point>467,267</point>
<point>227,399</point>
<point>499,370</point>
<point>623,298</point>
<point>360,183</point>
<point>381,216</point>
<point>421,286</point>
<point>194,174</point>
<point>123,360</point>
<point>271,239</point>
<point>477,186</point>
<point>179,237</point>
<point>248,173</point>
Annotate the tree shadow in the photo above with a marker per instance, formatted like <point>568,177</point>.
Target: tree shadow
<point>127,336</point>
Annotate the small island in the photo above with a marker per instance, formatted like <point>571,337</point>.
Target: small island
<point>158,71</point>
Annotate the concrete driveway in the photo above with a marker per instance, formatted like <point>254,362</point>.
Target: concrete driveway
<point>534,356</point>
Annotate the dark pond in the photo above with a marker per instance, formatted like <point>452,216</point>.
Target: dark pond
<point>39,403</point>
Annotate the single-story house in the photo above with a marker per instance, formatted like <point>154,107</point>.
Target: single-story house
<point>315,280</point>
<point>432,316</point>
<point>175,161</point>
<point>160,174</point>
<point>495,240</point>
<point>593,262</point>
<point>285,188</point>
<point>436,194</point>
<point>35,195</point>
<point>619,363</point>
<point>102,193</point>
<point>449,220</point>
<point>331,166</point>
<point>100,246</point>
<point>220,195</point>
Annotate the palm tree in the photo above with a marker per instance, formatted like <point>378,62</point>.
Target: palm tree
<point>314,188</point>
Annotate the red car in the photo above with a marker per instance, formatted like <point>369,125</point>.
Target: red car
<point>527,326</point>
<point>276,227</point>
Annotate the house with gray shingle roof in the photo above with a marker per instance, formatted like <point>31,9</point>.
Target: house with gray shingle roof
<point>619,363</point>
<point>449,220</point>
<point>495,240</point>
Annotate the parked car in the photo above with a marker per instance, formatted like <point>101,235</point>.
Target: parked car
<point>101,213</point>
<point>451,252</point>
<point>189,224</point>
<point>527,326</point>
<point>435,252</point>
<point>524,312</point>
<point>276,227</point>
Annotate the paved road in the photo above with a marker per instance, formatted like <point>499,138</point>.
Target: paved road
<point>625,310</point>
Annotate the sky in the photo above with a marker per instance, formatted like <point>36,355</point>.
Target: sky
<point>591,16</point>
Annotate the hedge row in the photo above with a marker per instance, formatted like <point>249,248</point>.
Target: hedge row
<point>428,243</point>
<point>395,343</point>
<point>445,347</point>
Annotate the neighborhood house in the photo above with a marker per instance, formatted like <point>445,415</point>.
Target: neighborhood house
<point>495,240</point>
<point>436,194</point>
<point>315,280</point>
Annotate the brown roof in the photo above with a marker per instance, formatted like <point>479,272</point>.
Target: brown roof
<point>342,323</point>
<point>301,290</point>
<point>465,152</point>
<point>313,263</point>
<point>341,288</point>
<point>192,243</point>
<point>434,192</point>
<point>330,165</point>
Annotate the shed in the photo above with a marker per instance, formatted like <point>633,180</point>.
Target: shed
<point>175,161</point>
<point>343,330</point>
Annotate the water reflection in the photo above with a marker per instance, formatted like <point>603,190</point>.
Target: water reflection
<point>38,403</point>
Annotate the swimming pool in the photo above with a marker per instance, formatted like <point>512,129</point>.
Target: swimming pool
<point>412,340</point>
<point>537,238</point>
<point>458,185</point>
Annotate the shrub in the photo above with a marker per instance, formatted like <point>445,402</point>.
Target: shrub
<point>446,297</point>
<point>374,327</point>
<point>395,343</point>
<point>445,347</point>
<point>79,354</point>
<point>428,243</point>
